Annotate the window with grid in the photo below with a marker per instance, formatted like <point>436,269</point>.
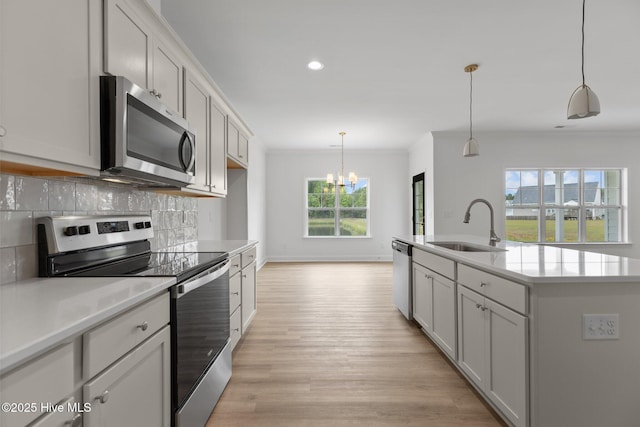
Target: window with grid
<point>564,205</point>
<point>344,216</point>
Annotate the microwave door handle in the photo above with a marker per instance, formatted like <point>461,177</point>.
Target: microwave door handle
<point>192,160</point>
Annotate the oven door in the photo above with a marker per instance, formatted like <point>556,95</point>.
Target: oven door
<point>200,328</point>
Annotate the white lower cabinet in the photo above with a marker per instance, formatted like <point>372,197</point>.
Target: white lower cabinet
<point>492,343</point>
<point>64,418</point>
<point>135,391</point>
<point>434,300</point>
<point>422,296</point>
<point>47,379</point>
<point>249,304</point>
<point>242,293</point>
<point>444,314</point>
<point>135,387</point>
<point>116,374</point>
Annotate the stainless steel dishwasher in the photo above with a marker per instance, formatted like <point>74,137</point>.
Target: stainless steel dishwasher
<point>402,278</point>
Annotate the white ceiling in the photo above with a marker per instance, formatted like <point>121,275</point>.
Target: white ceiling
<point>394,69</point>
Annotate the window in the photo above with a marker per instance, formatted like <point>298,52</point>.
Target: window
<point>567,205</point>
<point>344,216</point>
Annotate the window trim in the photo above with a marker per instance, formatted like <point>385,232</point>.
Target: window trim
<point>336,209</point>
<point>582,207</point>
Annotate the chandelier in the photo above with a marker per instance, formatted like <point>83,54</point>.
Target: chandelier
<point>340,180</point>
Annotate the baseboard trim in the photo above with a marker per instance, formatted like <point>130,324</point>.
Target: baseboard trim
<point>373,258</point>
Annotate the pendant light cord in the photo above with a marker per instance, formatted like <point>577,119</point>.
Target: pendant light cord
<point>471,105</point>
<point>583,9</point>
<point>342,164</point>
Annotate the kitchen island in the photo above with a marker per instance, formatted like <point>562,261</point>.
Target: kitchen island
<point>547,335</point>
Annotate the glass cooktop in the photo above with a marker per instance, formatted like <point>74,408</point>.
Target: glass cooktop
<point>181,265</point>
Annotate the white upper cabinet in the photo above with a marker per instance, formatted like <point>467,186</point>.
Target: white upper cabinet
<point>127,43</point>
<point>49,85</point>
<point>167,76</point>
<point>217,153</point>
<point>196,111</point>
<point>237,146</point>
<point>132,50</point>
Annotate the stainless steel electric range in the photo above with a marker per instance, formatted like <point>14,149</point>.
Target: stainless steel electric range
<point>98,246</point>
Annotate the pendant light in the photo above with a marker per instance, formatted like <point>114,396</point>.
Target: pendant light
<point>583,102</point>
<point>471,148</point>
<point>353,178</point>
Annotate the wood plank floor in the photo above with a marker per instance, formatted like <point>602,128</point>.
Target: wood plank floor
<point>328,348</point>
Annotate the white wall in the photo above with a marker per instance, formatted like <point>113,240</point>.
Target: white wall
<point>459,180</point>
<point>212,219</point>
<point>246,202</point>
<point>285,198</point>
<point>257,198</point>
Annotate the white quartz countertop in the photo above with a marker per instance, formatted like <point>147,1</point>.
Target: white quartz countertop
<point>532,263</point>
<point>232,246</point>
<point>40,313</point>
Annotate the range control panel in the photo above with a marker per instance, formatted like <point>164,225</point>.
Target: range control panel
<point>72,233</point>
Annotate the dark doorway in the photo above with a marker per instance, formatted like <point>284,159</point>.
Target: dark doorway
<point>418,211</point>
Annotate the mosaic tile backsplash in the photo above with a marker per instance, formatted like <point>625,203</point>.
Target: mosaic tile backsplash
<point>24,199</point>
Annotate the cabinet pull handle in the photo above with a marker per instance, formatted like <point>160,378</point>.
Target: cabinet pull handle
<point>3,131</point>
<point>104,398</point>
<point>235,293</point>
<point>236,265</point>
<point>483,284</point>
<point>244,275</point>
<point>251,256</point>
<point>75,421</point>
<point>236,330</point>
<point>481,307</point>
<point>158,95</point>
<point>144,326</point>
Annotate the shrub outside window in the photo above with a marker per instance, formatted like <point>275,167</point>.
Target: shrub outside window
<point>344,216</point>
<point>564,205</point>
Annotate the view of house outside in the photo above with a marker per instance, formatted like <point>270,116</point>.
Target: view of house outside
<point>346,216</point>
<point>569,205</point>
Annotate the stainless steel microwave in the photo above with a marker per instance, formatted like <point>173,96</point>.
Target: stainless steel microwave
<point>143,141</point>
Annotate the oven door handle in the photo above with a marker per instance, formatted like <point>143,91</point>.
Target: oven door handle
<point>203,278</point>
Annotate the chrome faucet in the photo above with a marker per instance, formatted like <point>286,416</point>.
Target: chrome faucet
<point>493,237</point>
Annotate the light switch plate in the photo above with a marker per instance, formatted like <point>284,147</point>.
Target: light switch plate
<point>600,327</point>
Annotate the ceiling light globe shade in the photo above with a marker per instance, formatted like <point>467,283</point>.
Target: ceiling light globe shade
<point>583,103</point>
<point>315,65</point>
<point>471,148</point>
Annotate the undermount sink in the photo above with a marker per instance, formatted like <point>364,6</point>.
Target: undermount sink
<point>466,247</point>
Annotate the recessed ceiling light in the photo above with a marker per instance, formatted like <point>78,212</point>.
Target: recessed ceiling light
<point>315,65</point>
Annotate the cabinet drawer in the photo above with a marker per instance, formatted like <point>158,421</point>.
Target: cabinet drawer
<point>235,283</point>
<point>134,391</point>
<point>248,256</point>
<point>235,323</point>
<point>511,294</point>
<point>440,265</point>
<point>65,418</point>
<point>113,339</point>
<point>234,265</point>
<point>47,379</point>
